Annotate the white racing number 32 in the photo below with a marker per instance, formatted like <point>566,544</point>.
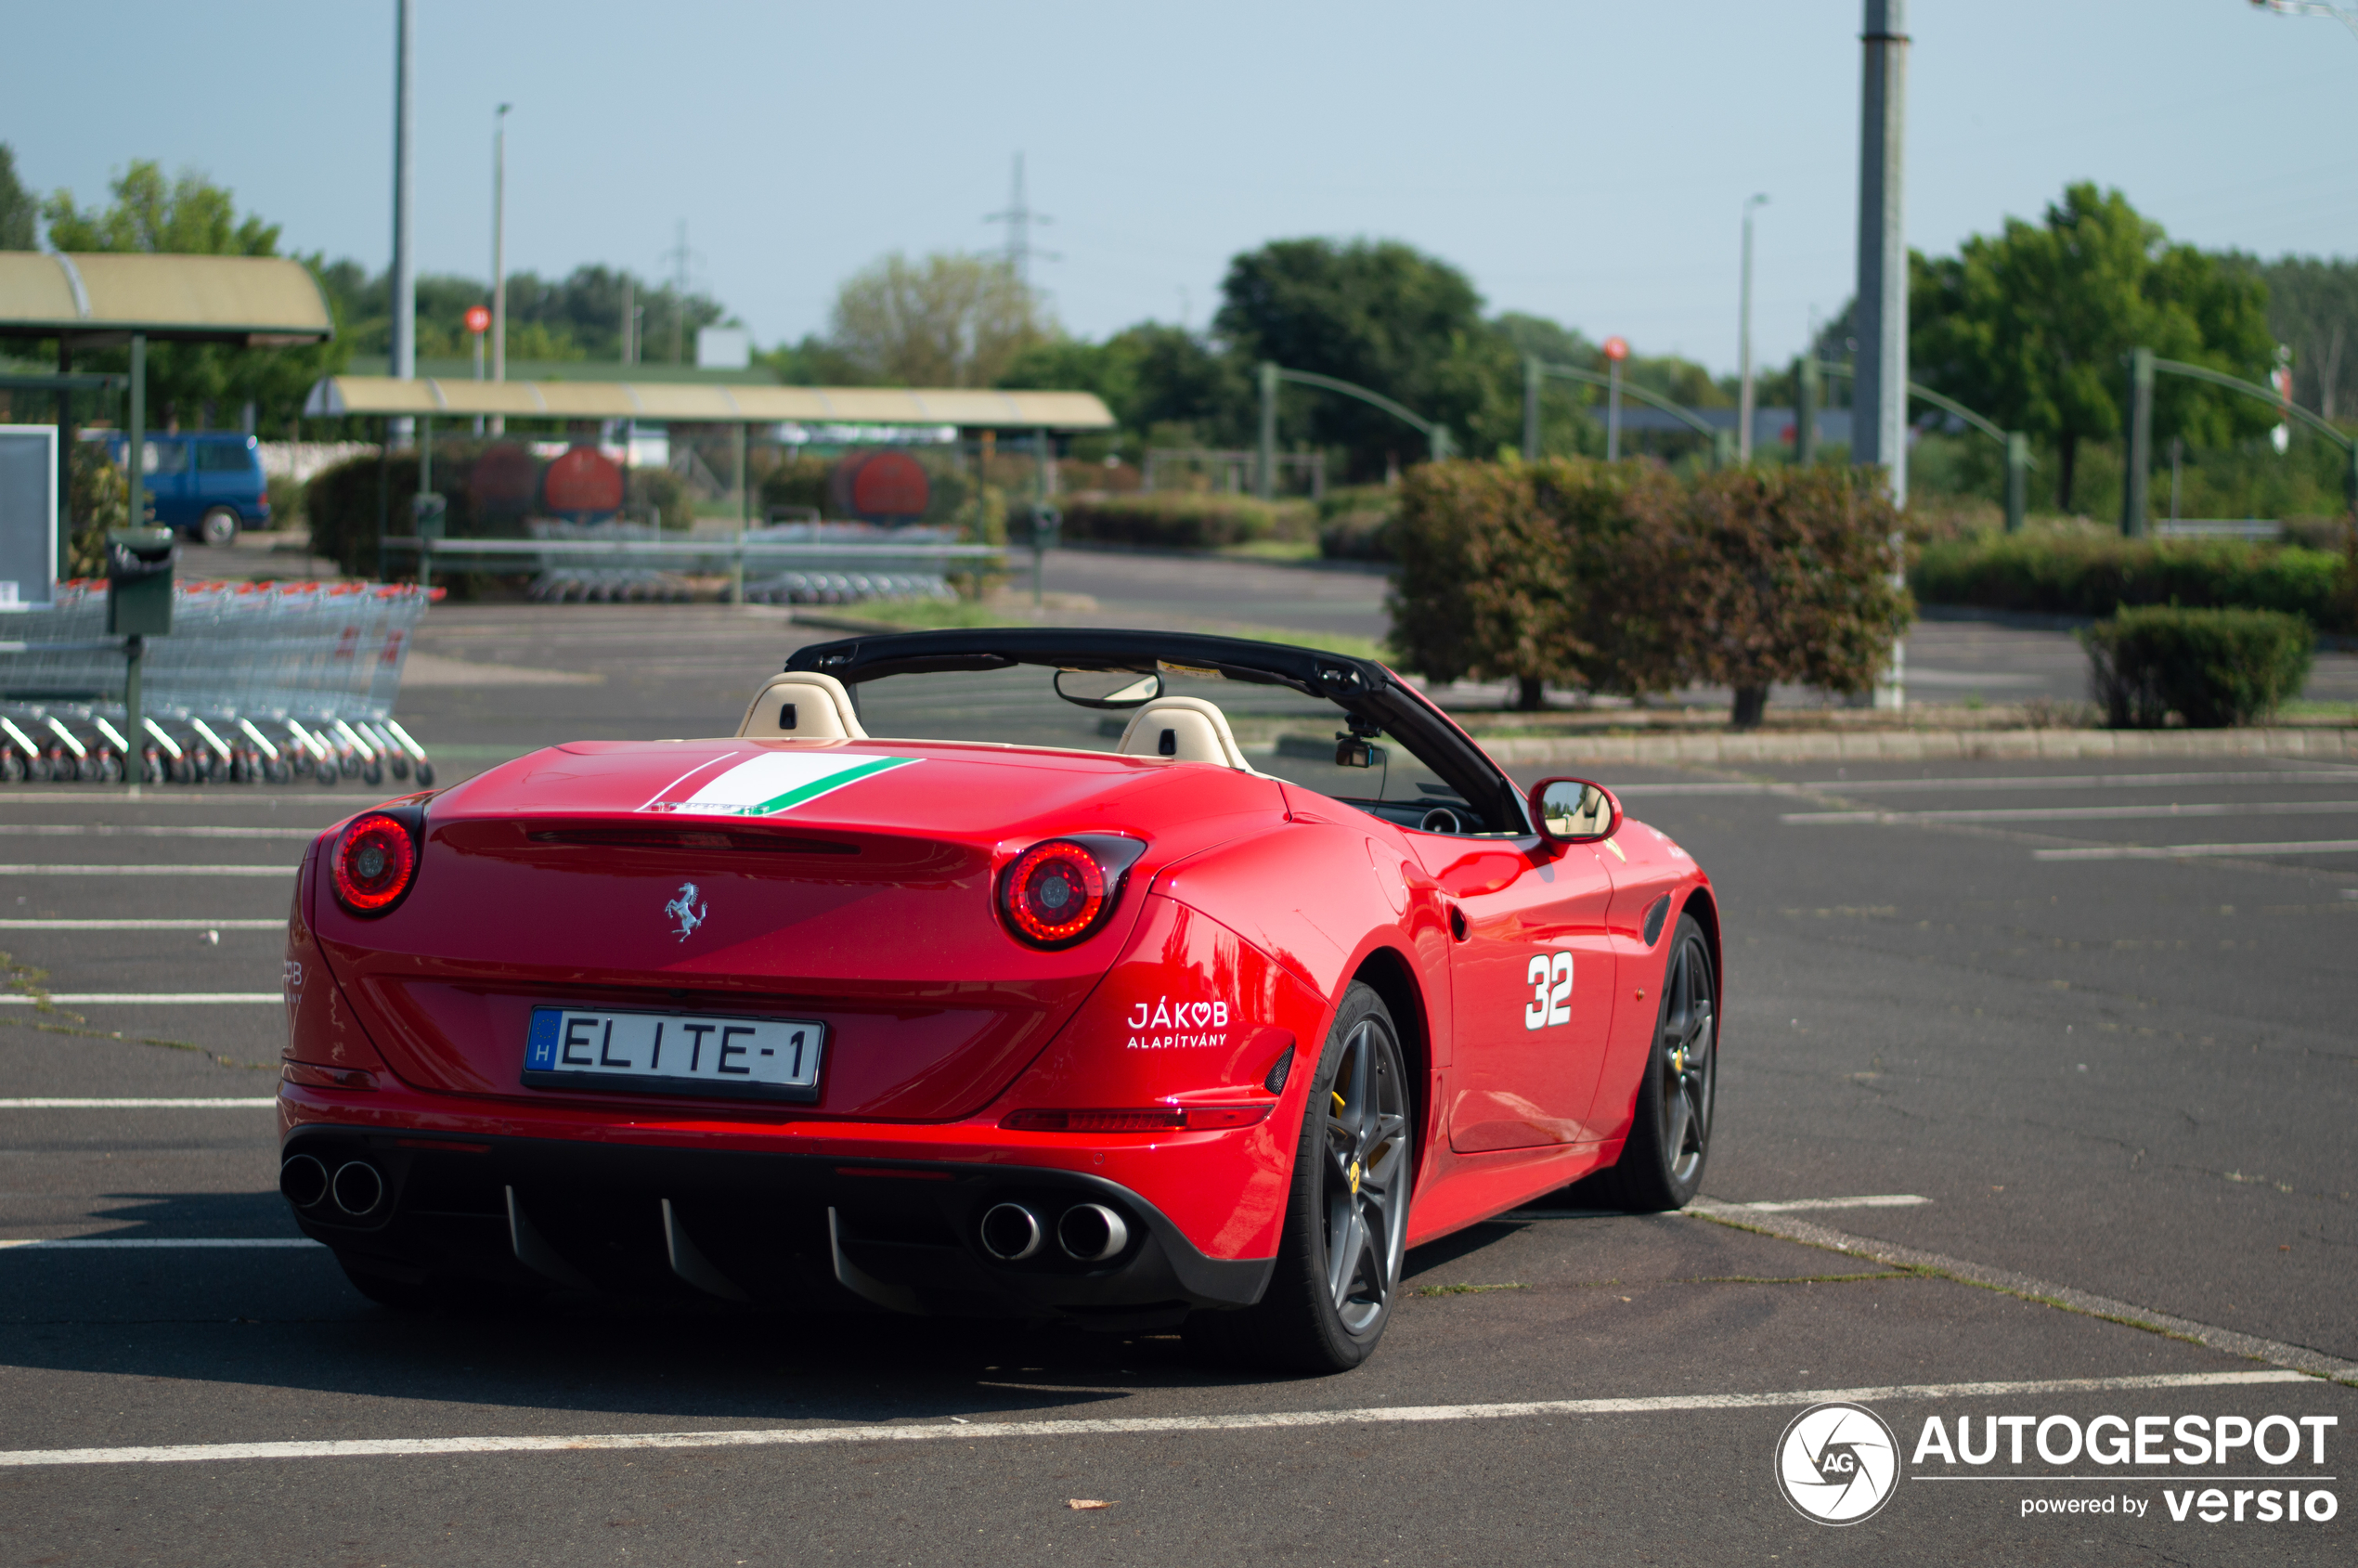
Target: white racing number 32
<point>1550,977</point>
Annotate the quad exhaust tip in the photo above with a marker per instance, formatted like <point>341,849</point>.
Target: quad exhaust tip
<point>359,1187</point>
<point>1091,1233</point>
<point>1012,1233</point>
<point>303,1181</point>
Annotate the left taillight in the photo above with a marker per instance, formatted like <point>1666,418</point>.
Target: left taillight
<point>1062,891</point>
<point>374,862</point>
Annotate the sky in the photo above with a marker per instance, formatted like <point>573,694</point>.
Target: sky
<point>1580,159</point>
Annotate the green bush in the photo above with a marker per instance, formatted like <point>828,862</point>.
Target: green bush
<point>800,481</point>
<point>2211,667</point>
<point>1355,522</point>
<point>1177,520</point>
<point>1487,586</point>
<point>1624,577</point>
<point>662,492</point>
<point>2096,575</point>
<point>343,505</point>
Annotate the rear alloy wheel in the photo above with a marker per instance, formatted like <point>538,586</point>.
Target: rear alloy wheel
<point>1347,1222</point>
<point>219,526</point>
<point>1670,1131</point>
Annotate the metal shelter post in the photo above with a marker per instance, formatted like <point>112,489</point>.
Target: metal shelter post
<point>135,451</point>
<point>2139,461</point>
<point>745,514</point>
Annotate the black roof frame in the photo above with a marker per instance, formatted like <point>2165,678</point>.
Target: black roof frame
<point>1362,688</point>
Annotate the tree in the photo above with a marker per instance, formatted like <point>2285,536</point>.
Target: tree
<point>948,320</point>
<point>2032,325</point>
<point>1154,378</point>
<point>191,216</point>
<point>1385,317</point>
<point>18,209</point>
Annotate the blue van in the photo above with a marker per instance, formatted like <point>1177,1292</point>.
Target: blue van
<point>204,484</point>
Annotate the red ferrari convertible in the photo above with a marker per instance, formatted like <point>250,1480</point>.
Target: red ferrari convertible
<point>1125,979</point>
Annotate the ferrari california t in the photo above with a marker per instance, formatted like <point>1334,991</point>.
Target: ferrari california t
<point>1123,979</point>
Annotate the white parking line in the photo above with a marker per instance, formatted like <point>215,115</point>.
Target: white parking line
<point>57,1104</point>
<point>2060,781</point>
<point>150,1243</point>
<point>2188,851</point>
<point>1775,1206</point>
<point>153,868</point>
<point>2076,813</point>
<point>134,998</point>
<point>1791,1205</point>
<point>188,830</point>
<point>967,1430</point>
<point>142,924</point>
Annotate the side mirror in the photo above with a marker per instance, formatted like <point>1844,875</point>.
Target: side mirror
<point>1574,811</point>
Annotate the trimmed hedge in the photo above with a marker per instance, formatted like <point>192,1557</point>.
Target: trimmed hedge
<point>2091,575</point>
<point>1183,520</point>
<point>2212,668</point>
<point>1622,577</point>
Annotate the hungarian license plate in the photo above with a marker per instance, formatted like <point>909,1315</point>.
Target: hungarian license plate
<point>674,1054</point>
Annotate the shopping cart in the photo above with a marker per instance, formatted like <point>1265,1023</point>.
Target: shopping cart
<point>258,682</point>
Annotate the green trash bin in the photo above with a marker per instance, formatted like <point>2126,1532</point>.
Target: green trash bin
<point>139,570</point>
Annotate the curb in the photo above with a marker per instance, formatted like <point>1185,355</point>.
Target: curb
<point>1911,746</point>
<point>2299,1359</point>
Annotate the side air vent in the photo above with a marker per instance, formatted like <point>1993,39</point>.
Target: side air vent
<point>1655,912</point>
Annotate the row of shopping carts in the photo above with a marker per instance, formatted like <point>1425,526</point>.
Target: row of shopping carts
<point>667,565</point>
<point>257,683</point>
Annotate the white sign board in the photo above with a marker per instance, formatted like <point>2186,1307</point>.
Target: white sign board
<point>723,348</point>
<point>30,564</point>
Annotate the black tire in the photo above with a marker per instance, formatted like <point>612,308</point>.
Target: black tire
<point>1338,1257</point>
<point>218,527</point>
<point>1661,1165</point>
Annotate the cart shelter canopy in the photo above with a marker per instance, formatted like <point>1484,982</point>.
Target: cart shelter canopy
<point>92,301</point>
<point>692,403</point>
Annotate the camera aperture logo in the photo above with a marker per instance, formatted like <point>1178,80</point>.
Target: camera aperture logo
<point>1837,1464</point>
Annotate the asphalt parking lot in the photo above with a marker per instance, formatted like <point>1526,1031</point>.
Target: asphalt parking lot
<point>2083,1033</point>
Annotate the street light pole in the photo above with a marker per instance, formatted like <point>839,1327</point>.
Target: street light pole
<point>403,343</point>
<point>500,252</point>
<point>1879,404</point>
<point>1743,347</point>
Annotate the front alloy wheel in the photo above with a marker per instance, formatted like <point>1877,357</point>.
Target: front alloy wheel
<point>1662,1164</point>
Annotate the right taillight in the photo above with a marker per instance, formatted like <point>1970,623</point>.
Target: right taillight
<point>1059,892</point>
<point>374,860</point>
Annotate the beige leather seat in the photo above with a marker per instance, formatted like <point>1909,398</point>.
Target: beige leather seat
<point>802,706</point>
<point>1188,729</point>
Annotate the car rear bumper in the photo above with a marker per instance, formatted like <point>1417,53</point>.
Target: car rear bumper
<point>762,1227</point>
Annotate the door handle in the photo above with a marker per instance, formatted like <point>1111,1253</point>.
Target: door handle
<point>1457,926</point>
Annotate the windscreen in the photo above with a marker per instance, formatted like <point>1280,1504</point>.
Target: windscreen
<point>1280,731</point>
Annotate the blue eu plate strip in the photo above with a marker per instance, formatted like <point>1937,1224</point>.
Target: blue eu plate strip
<point>541,1053</point>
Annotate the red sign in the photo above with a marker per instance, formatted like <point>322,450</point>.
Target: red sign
<point>1616,349</point>
<point>583,480</point>
<point>478,319</point>
<point>881,486</point>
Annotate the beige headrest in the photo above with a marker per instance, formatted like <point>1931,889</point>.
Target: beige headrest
<point>1188,729</point>
<point>804,706</point>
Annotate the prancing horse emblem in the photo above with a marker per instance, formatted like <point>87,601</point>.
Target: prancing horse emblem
<point>688,908</point>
